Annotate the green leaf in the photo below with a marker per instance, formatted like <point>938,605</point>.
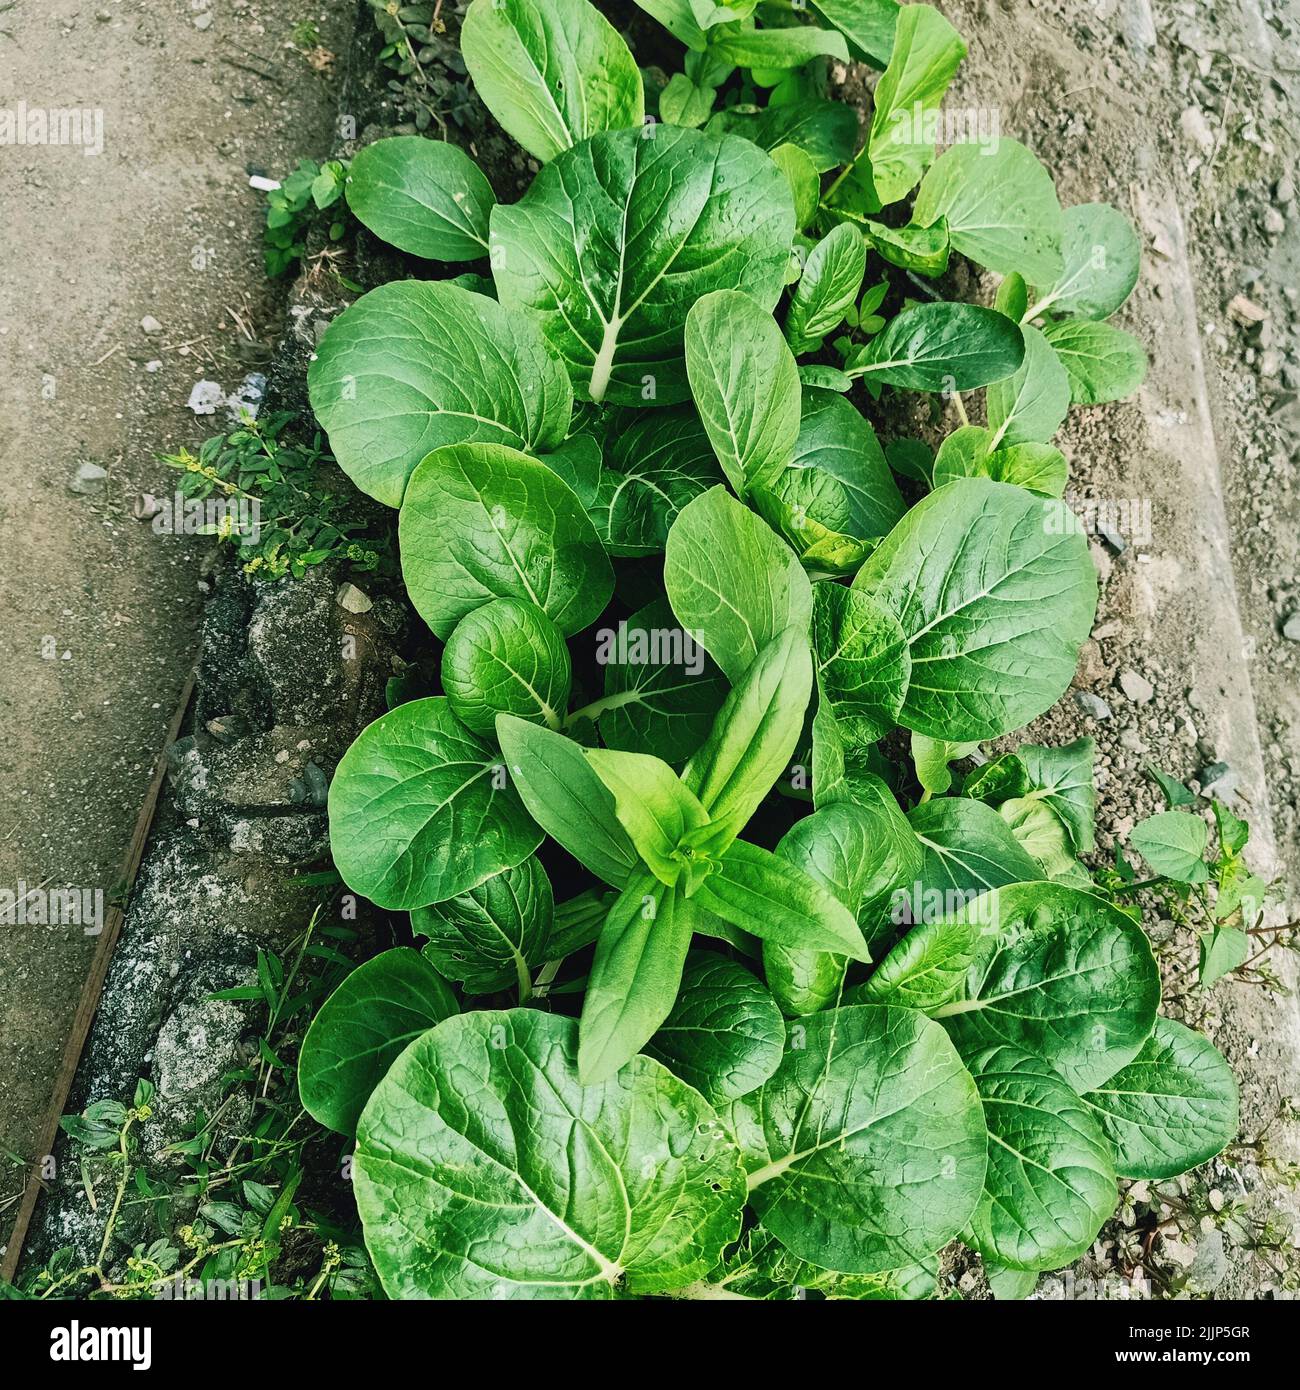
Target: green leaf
<point>826,131</point>
<point>616,239</point>
<point>931,756</point>
<point>1012,298</point>
<point>732,583</point>
<point>662,692</point>
<point>776,901</point>
<point>1223,949</point>
<point>996,592</point>
<point>1042,836</point>
<point>762,1268</point>
<point>866,1150</point>
<point>1000,205</point>
<point>492,937</point>
<point>656,461</point>
<point>551,73</point>
<point>414,365</point>
<point>867,24</point>
<point>506,656</point>
<point>566,798</point>
<point>481,521</point>
<point>1103,362</point>
<point>922,249</point>
<point>745,384</point>
<point>1173,1107</point>
<point>1050,1183</point>
<point>678,17</point>
<point>827,288</point>
<point>1030,406</point>
<point>779,48</point>
<point>942,347</point>
<point>1038,468</point>
<point>927,52</point>
<point>640,955</point>
<point>683,103</point>
<point>422,196</point>
<point>369,1019</point>
<point>1102,259</point>
<point>652,805</point>
<point>1062,777</point>
<point>755,733</point>
<point>811,512</point>
<point>420,810</point>
<point>725,1035</point>
<point>578,462</point>
<point>1009,1285</point>
<point>1047,968</point>
<point>1234,833</point>
<point>530,1184</point>
<point>967,849</point>
<point>801,174</point>
<point>834,847</point>
<point>1175,793</point>
<point>1173,844</point>
<point>863,661</point>
<point>835,438</point>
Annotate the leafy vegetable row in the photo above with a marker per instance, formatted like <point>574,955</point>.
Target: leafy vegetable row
<point>907,1026</point>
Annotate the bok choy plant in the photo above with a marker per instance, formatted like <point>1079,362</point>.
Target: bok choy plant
<point>728,984</point>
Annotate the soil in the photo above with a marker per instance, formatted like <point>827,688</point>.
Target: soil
<point>100,613</point>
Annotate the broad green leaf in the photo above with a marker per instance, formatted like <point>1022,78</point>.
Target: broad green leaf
<point>1234,833</point>
<point>922,249</point>
<point>931,758</point>
<point>942,347</point>
<point>422,196</point>
<point>519,1182</point>
<point>683,103</point>
<point>927,52</point>
<point>1030,406</point>
<point>1042,836</point>
<point>801,174</point>
<point>867,24</point>
<point>996,592</point>
<point>1000,205</point>
<point>414,365</point>
<point>420,810</point>
<point>1050,1183</point>
<point>835,438</point>
<point>1038,468</point>
<point>968,849</point>
<point>1060,777</point>
<point>762,1268</point>
<point>482,521</point>
<point>827,288</point>
<point>1173,843</point>
<point>1103,362</point>
<point>1047,968</point>
<point>866,1150</point>
<point>745,384</point>
<point>678,17</point>
<point>779,48</point>
<point>1009,1285</point>
<point>492,937</point>
<point>617,238</point>
<point>656,461</point>
<point>578,462</point>
<point>1174,792</point>
<point>578,922</point>
<point>381,1006</point>
<point>635,974</point>
<point>1173,1107</point>
<point>911,458</point>
<point>1102,259</point>
<point>551,73</point>
<point>826,131</point>
<point>810,510</point>
<point>755,733</point>
<point>662,691</point>
<point>1012,298</point>
<point>863,661</point>
<point>507,656</point>
<point>566,798</point>
<point>725,1035</point>
<point>775,901</point>
<point>732,583</point>
<point>834,847</point>
<point>652,804</point>
<point>1223,949</point>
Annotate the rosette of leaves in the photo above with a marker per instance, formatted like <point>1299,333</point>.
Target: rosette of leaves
<point>746,1000</point>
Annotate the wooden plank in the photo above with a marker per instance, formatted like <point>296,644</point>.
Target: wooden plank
<point>91,991</point>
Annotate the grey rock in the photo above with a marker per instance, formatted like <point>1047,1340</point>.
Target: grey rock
<point>88,480</point>
<point>150,325</point>
<point>1217,779</point>
<point>1210,1266</point>
<point>1291,627</point>
<point>354,600</point>
<point>1136,687</point>
<point>1092,705</point>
